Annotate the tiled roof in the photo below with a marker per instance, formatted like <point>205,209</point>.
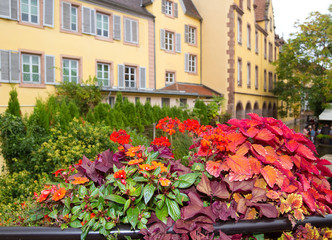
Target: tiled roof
<point>131,5</point>
<point>260,10</point>
<point>146,2</point>
<point>191,9</point>
<point>198,89</point>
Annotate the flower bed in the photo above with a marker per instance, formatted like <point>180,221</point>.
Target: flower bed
<point>249,169</point>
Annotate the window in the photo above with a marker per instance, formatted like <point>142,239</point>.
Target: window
<point>275,53</point>
<point>239,30</point>
<point>271,24</point>
<point>190,34</point>
<point>256,41</point>
<point>256,77</point>
<point>249,36</point>
<point>170,77</point>
<point>265,46</point>
<point>130,30</point>
<point>264,80</point>
<point>148,99</point>
<point>249,4</point>
<point>30,11</point>
<point>248,75</point>
<point>169,8</point>
<point>69,17</point>
<point>169,41</point>
<point>183,102</point>
<point>103,74</point>
<point>165,102</point>
<point>270,52</point>
<point>103,23</point>
<point>130,77</point>
<point>239,72</point>
<point>241,4</point>
<point>270,81</point>
<point>111,101</point>
<point>190,63</point>
<point>31,68</point>
<point>70,70</point>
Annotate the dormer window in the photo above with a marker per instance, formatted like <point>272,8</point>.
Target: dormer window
<point>169,8</point>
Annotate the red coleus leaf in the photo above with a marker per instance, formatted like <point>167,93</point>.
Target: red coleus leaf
<point>250,132</point>
<point>255,116</point>
<point>236,122</point>
<point>259,149</point>
<point>238,177</point>
<point>275,130</point>
<point>286,162</point>
<point>309,200</point>
<point>255,165</point>
<point>325,171</point>
<point>243,149</point>
<point>291,145</point>
<point>304,181</point>
<point>219,190</point>
<point>204,185</point>
<point>288,187</point>
<point>239,164</point>
<point>258,195</point>
<point>305,152</point>
<point>270,175</point>
<point>295,200</point>
<point>266,209</point>
<point>235,140</point>
<point>273,195</point>
<point>297,161</point>
<point>213,168</point>
<point>264,135</point>
<point>309,166</point>
<point>298,214</point>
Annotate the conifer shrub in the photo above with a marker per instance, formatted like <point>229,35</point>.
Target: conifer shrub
<point>13,104</point>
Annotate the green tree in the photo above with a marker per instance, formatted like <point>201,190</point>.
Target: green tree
<point>13,104</point>
<point>304,66</point>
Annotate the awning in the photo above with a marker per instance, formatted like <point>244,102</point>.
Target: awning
<point>326,115</point>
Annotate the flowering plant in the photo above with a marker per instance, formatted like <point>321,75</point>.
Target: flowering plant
<point>248,169</point>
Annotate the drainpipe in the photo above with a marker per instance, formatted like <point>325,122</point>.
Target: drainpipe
<point>201,68</point>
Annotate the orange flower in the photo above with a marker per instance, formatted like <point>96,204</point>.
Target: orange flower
<point>120,174</point>
<point>80,180</point>
<point>132,151</point>
<point>59,194</point>
<point>164,182</point>
<point>146,167</point>
<point>44,194</point>
<point>92,215</point>
<point>135,161</point>
<point>159,164</point>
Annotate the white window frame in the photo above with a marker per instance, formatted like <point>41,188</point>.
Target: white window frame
<point>102,22</point>
<point>70,68</point>
<point>169,8</point>
<point>169,41</point>
<point>71,18</point>
<point>29,6</point>
<point>130,76</point>
<point>239,72</point>
<point>192,63</point>
<point>239,30</point>
<point>31,65</point>
<point>192,35</point>
<point>169,77</point>
<point>102,79</point>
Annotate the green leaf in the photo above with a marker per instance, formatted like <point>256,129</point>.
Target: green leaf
<point>65,211</point>
<point>67,202</point>
<point>162,214</point>
<point>127,204</point>
<point>82,192</point>
<point>75,210</point>
<point>173,209</point>
<point>187,180</point>
<point>64,226</point>
<point>96,226</point>
<point>157,171</point>
<point>35,217</point>
<point>136,191</point>
<point>116,198</point>
<point>151,156</point>
<point>132,214</point>
<point>148,192</point>
<point>110,225</point>
<point>85,232</point>
<point>76,200</point>
<point>53,214</point>
<point>197,167</point>
<point>94,192</point>
<point>140,179</point>
<point>75,224</point>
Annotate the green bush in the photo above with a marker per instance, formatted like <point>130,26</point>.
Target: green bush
<point>13,104</point>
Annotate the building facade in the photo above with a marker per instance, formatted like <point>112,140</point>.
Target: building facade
<point>168,52</point>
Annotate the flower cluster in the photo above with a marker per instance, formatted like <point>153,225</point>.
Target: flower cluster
<point>120,137</point>
<point>161,141</point>
<point>170,125</point>
<point>56,192</point>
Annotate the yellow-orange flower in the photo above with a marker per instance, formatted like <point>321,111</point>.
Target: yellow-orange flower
<point>146,167</point>
<point>164,182</point>
<point>59,194</point>
<point>80,180</point>
<point>135,161</point>
<point>132,151</point>
<point>159,164</point>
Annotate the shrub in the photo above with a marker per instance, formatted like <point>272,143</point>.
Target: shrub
<point>13,104</point>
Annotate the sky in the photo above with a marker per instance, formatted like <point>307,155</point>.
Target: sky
<point>287,12</point>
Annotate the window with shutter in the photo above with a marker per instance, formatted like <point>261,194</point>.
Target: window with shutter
<point>169,41</point>
<point>239,72</point>
<point>5,66</point>
<point>9,66</point>
<point>49,69</point>
<point>103,25</point>
<point>131,30</point>
<point>178,43</point>
<point>88,21</point>
<point>163,6</point>
<point>142,76</point>
<point>175,10</point>
<point>116,27</point>
<point>120,76</point>
<point>130,77</point>
<point>30,11</point>
<point>162,39</point>
<point>14,9</point>
<point>70,17</point>
<point>49,13</point>
<point>14,67</point>
<point>190,34</point>
<point>186,33</point>
<point>5,11</point>
<point>248,75</point>
<point>186,62</point>
<point>31,69</point>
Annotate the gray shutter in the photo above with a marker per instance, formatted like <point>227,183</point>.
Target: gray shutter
<point>66,16</point>
<point>49,69</point>
<point>116,27</point>
<point>49,13</point>
<point>120,75</point>
<point>186,33</point>
<point>93,22</point>
<point>186,62</point>
<point>4,66</point>
<point>134,30</point>
<point>5,10</point>
<point>142,77</point>
<point>162,39</point>
<point>178,42</point>
<point>86,18</point>
<point>127,30</point>
<point>163,6</point>
<point>14,9</point>
<point>15,67</point>
<point>176,10</point>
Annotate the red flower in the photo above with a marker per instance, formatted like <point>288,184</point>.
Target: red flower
<point>44,194</point>
<point>120,174</point>
<point>120,137</point>
<point>92,215</point>
<point>57,172</point>
<point>162,141</point>
<point>169,125</point>
<point>59,194</point>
